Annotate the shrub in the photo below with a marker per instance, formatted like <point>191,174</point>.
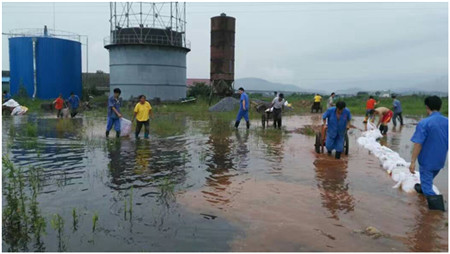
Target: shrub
<point>199,90</point>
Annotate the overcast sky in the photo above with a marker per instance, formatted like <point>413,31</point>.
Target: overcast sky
<point>306,44</point>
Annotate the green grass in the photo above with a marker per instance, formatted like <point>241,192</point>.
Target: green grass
<point>412,106</point>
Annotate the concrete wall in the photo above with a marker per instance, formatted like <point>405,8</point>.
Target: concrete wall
<point>155,71</point>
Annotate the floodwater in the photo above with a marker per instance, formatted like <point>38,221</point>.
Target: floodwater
<point>211,188</point>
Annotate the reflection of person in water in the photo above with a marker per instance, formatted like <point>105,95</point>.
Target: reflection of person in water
<point>242,149</point>
<point>275,147</point>
<point>117,165</point>
<point>143,154</point>
<point>331,176</point>
<point>219,160</point>
<point>424,236</point>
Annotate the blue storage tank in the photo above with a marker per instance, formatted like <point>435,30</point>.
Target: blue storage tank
<point>57,63</point>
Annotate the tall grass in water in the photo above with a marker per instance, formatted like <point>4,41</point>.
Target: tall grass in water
<point>74,220</point>
<point>169,125</point>
<point>57,224</point>
<point>21,215</point>
<point>31,130</point>
<point>94,221</point>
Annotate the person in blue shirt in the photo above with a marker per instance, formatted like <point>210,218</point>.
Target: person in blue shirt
<point>338,119</point>
<point>430,149</point>
<point>6,96</point>
<point>243,108</point>
<point>74,103</point>
<point>397,111</point>
<point>114,114</point>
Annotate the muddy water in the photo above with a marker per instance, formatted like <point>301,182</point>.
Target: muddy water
<point>211,188</point>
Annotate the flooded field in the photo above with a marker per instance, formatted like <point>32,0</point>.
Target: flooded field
<point>199,185</point>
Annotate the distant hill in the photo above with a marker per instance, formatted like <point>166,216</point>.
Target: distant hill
<point>437,86</point>
<point>264,85</point>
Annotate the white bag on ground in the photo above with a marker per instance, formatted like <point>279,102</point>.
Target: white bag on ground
<point>11,103</point>
<point>125,127</point>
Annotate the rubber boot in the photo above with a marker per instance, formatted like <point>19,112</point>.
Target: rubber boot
<point>418,188</point>
<point>338,155</point>
<point>146,135</point>
<point>436,202</point>
<point>248,125</point>
<point>385,129</point>
<point>117,134</point>
<point>236,125</point>
<point>107,134</point>
<point>381,129</point>
<point>329,153</point>
<point>136,135</point>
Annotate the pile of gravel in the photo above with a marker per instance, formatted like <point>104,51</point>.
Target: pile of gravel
<point>225,105</point>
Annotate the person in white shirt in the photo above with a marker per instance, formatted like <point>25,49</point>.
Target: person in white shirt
<point>330,102</point>
<point>277,104</point>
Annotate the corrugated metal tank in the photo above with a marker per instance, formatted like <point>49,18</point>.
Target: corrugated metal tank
<point>58,66</point>
<point>222,48</point>
<point>142,65</point>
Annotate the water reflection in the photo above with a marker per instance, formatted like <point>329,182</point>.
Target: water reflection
<point>425,233</point>
<point>274,147</point>
<point>242,149</point>
<point>331,178</point>
<point>219,162</point>
<point>144,163</point>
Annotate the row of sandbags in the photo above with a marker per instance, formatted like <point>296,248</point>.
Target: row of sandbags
<point>390,160</point>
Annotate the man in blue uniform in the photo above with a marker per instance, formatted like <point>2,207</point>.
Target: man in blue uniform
<point>6,96</point>
<point>397,111</point>
<point>114,114</point>
<point>338,122</point>
<point>74,103</point>
<point>243,108</point>
<point>430,148</point>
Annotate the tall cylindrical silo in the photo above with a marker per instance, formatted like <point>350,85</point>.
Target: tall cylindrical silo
<point>223,29</point>
<point>145,57</point>
<point>44,65</point>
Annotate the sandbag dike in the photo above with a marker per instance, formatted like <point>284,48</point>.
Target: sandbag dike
<point>227,104</point>
<point>395,166</point>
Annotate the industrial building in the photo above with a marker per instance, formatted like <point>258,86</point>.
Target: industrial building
<point>147,49</point>
<point>44,63</point>
<point>223,29</point>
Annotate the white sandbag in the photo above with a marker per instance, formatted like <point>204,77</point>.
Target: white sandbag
<point>435,189</point>
<point>125,127</point>
<point>11,103</point>
<point>19,110</point>
<point>65,112</point>
<point>409,182</point>
<point>395,166</point>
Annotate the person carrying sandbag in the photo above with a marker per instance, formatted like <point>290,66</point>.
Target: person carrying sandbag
<point>142,113</point>
<point>59,104</point>
<point>114,114</point>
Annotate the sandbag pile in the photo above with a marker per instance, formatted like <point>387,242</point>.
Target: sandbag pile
<point>391,161</point>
